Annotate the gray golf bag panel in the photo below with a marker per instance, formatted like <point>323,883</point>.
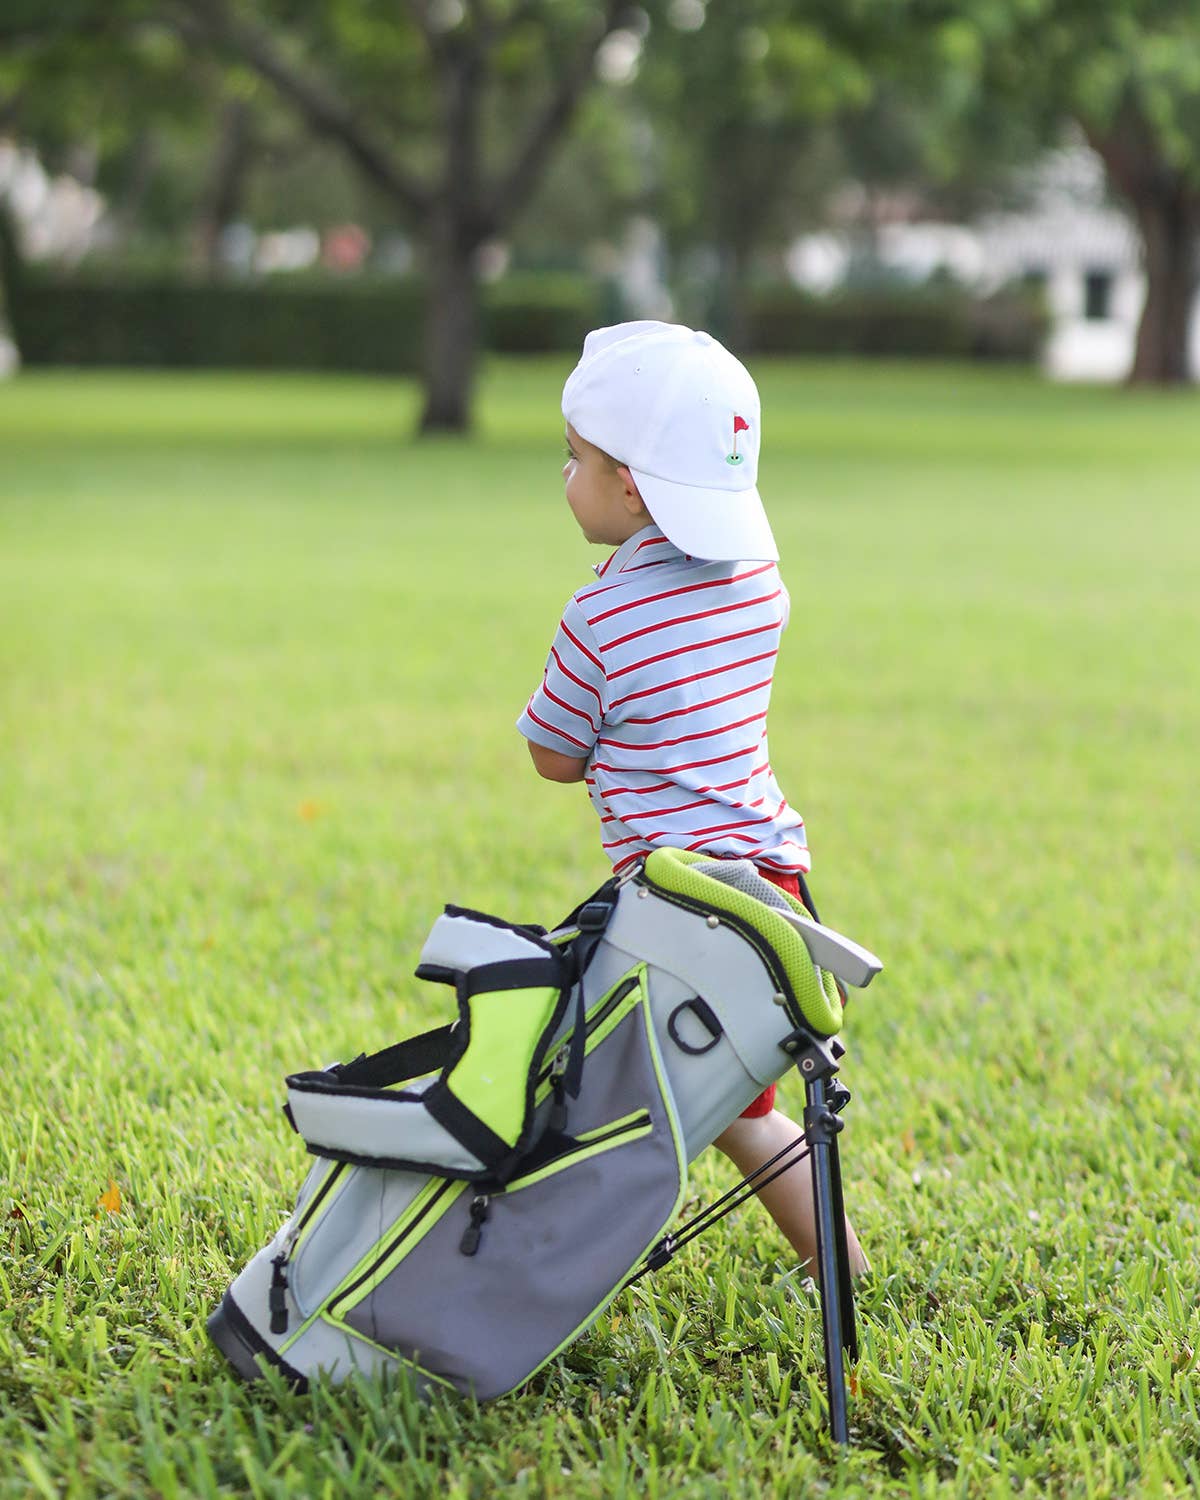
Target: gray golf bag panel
<point>548,1246</point>
<point>430,1244</point>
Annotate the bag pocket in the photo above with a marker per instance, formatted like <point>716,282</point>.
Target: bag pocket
<point>503,1281</point>
<point>344,1227</point>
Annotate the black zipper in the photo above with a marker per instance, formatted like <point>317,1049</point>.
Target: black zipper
<point>620,993</point>
<point>277,1291</point>
<point>622,990</point>
<point>480,1210</point>
<point>393,1244</point>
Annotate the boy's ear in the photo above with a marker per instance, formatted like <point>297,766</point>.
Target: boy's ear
<point>634,503</point>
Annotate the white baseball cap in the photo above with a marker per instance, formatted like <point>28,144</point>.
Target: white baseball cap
<point>683,415</point>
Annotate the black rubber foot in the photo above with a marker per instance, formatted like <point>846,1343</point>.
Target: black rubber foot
<point>241,1344</point>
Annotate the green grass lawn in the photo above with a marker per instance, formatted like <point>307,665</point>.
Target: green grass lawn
<point>260,657</point>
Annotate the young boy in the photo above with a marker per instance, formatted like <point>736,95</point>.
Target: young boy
<point>656,689</point>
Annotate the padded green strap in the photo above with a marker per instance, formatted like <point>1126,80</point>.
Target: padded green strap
<point>815,992</point>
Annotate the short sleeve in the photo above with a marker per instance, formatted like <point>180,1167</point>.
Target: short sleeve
<point>567,709</point>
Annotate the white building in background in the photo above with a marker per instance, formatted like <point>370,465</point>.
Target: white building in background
<point>53,216</point>
<point>1081,248</point>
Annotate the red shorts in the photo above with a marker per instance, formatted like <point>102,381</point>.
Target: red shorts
<point>765,1102</point>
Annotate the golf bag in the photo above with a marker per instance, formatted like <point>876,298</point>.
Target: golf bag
<point>483,1190</point>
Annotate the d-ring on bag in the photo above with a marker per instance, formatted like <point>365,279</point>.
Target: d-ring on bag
<point>482,1191</point>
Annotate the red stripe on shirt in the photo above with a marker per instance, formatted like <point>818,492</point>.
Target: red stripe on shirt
<point>684,588</point>
<point>651,541</point>
<point>578,681</point>
<point>701,734</point>
<point>740,838</point>
<point>702,614</point>
<point>803,865</point>
<point>561,733</point>
<point>649,692</point>
<point>639,791</point>
<point>663,833</point>
<point>665,812</point>
<point>690,765</point>
<point>570,708</point>
<point>580,647</point>
<point>720,640</point>
<point>634,838</point>
<point>691,708</point>
<point>725,827</point>
<point>662,786</point>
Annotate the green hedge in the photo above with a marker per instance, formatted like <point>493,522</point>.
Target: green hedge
<point>376,325</point>
<point>533,312</point>
<point>363,324</point>
<point>943,322</point>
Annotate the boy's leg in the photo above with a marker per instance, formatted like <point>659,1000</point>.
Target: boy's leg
<point>748,1143</point>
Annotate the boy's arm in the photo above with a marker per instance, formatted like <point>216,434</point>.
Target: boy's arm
<point>555,766</point>
<point>561,721</point>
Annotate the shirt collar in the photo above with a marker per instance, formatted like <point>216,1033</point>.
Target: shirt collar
<point>644,549</point>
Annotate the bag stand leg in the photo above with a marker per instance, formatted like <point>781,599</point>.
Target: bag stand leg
<point>817,1062</point>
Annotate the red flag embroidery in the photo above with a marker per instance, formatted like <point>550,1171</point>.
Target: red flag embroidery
<point>739,425</point>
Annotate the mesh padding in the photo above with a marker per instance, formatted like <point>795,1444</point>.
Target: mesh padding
<point>741,874</point>
<point>732,886</point>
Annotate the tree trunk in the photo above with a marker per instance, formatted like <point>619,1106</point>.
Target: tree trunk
<point>1170,224</point>
<point>452,330</point>
<point>11,267</point>
<point>222,194</point>
<point>139,177</point>
<point>729,310</point>
<point>1167,207</point>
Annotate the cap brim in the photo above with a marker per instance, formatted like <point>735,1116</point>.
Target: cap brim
<point>718,525</point>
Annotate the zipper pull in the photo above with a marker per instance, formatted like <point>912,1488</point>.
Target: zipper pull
<point>473,1233</point>
<point>558,1110</point>
<point>277,1296</point>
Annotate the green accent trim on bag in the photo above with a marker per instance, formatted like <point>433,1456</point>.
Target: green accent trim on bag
<point>492,1076</point>
<point>619,1012</point>
<point>317,1206</point>
<point>431,1207</point>
<point>618,1133</point>
<point>409,1364</point>
<point>636,996</point>
<point>815,992</point>
<point>617,1015</point>
<point>397,1226</point>
<point>681,1163</point>
<point>635,1114</point>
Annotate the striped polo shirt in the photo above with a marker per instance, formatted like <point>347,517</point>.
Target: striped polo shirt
<point>660,675</point>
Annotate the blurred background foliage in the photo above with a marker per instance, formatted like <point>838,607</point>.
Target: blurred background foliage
<point>352,184</point>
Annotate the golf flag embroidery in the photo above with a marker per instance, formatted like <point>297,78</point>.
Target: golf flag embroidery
<point>739,425</point>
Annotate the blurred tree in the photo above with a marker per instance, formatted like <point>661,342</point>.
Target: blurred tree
<point>739,95</point>
<point>763,111</point>
<point>452,111</point>
<point>590,188</point>
<point>96,95</point>
<point>1127,71</point>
